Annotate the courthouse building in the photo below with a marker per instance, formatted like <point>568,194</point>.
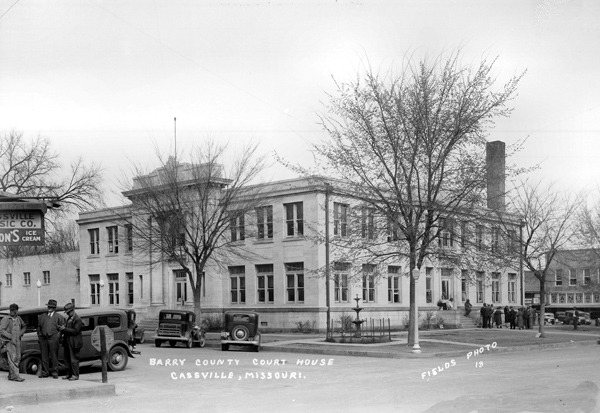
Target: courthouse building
<point>281,281</point>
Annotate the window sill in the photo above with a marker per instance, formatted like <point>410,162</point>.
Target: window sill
<point>263,241</point>
<point>291,239</point>
<point>92,256</point>
<point>111,254</point>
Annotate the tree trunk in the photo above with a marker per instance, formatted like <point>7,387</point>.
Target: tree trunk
<point>542,279</point>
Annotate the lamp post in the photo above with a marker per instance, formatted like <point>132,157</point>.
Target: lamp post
<point>39,289</point>
<point>101,290</point>
<point>416,348</point>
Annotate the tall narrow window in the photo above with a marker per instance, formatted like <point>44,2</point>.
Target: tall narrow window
<point>512,242</point>
<point>495,239</point>
<point>129,231</point>
<point>141,286</point>
<point>394,295</point>
<point>129,276</point>
<point>9,280</point>
<point>587,276</point>
<point>340,219</point>
<point>264,222</point>
<point>572,277</point>
<point>463,234</point>
<point>464,285</point>
<point>495,287</point>
<point>294,219</point>
<point>113,239</point>
<point>340,271</point>
<point>479,237</point>
<point>237,280</point>
<point>368,223</point>
<point>113,289</point>
<point>181,281</point>
<point>479,286</point>
<point>295,282</point>
<point>94,235</point>
<point>512,288</point>
<point>265,289</point>
<point>446,278</point>
<point>428,285</point>
<point>46,277</point>
<point>558,278</point>
<point>368,283</point>
<point>94,289</point>
<point>27,278</point>
<point>446,237</point>
<point>393,230</point>
<point>237,226</point>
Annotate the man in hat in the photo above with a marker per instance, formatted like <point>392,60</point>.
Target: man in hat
<point>12,329</point>
<point>72,342</point>
<point>48,337</point>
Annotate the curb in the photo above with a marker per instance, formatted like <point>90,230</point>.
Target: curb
<point>15,394</point>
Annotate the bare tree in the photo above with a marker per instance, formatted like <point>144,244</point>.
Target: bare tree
<point>549,225</point>
<point>410,148</point>
<point>193,213</point>
<point>31,169</point>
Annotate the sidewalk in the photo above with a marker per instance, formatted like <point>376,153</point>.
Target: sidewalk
<point>35,390</point>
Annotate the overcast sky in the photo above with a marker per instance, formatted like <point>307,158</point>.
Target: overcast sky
<point>104,79</point>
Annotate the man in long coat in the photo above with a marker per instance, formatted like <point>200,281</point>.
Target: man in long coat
<point>72,342</point>
<point>48,337</point>
<point>12,329</point>
<point>483,314</point>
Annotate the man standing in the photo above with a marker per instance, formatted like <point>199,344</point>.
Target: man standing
<point>12,329</point>
<point>575,318</point>
<point>72,342</point>
<point>48,337</point>
<point>483,314</point>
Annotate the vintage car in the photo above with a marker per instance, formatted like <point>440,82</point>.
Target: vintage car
<point>118,352</point>
<point>178,326</point>
<point>241,329</point>
<point>549,318</point>
<point>584,318</point>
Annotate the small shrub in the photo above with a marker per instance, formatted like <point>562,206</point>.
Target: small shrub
<point>346,323</point>
<point>212,323</point>
<point>406,321</point>
<point>305,327</point>
<point>439,321</point>
<point>429,319</point>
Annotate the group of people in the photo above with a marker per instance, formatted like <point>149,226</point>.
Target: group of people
<point>53,330</point>
<point>521,318</point>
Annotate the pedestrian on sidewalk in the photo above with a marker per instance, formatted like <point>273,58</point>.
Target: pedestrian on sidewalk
<point>526,318</point>
<point>575,318</point>
<point>520,314</point>
<point>72,342</point>
<point>468,307</point>
<point>490,314</point>
<point>483,314</point>
<point>12,329</point>
<point>48,337</point>
<point>498,317</point>
<point>532,317</point>
<point>506,316</point>
<point>512,318</point>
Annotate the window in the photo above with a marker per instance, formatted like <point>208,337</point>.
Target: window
<point>264,222</point>
<point>587,276</point>
<point>561,298</point>
<point>181,279</point>
<point>512,242</point>
<point>368,223</point>
<point>265,283</point>
<point>9,280</point>
<point>113,289</point>
<point>570,299</point>
<point>572,277</point>
<point>26,278</point>
<point>479,287</point>
<point>394,284</point>
<point>237,280</point>
<point>95,289</point>
<point>393,229</point>
<point>464,287</point>
<point>479,237</point>
<point>129,232</point>
<point>113,239</point>
<point>446,277</point>
<point>129,276</point>
<point>295,282</point>
<point>46,277</point>
<point>368,283</point>
<point>588,298</point>
<point>495,287</point>
<point>495,239</point>
<point>446,237</point>
<point>340,219</point>
<point>597,298</point>
<point>558,278</point>
<point>512,288</point>
<point>340,277</point>
<point>94,241</point>
<point>579,298</point>
<point>554,298</point>
<point>428,285</point>
<point>141,286</point>
<point>463,234</point>
<point>236,226</point>
<point>294,219</point>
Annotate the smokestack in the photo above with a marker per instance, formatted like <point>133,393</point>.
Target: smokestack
<point>495,160</point>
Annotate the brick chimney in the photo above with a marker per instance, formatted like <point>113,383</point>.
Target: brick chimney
<point>495,160</point>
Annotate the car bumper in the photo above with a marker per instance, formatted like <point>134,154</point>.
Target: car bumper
<point>241,343</point>
<point>168,338</point>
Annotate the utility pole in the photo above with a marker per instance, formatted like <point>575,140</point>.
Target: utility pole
<point>327,272</point>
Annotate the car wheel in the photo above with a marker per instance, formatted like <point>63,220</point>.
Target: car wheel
<point>240,333</point>
<point>117,359</point>
<point>224,347</point>
<point>31,365</point>
<point>172,343</point>
<point>202,341</point>
<point>190,342</point>
<point>157,343</point>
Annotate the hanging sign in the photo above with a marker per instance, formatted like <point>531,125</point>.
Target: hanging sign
<point>20,226</point>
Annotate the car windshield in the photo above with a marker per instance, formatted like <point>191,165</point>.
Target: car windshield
<point>171,316</point>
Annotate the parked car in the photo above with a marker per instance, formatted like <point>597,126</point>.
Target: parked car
<point>178,326</point>
<point>118,352</point>
<point>584,318</point>
<point>559,316</point>
<point>549,318</point>
<point>241,329</point>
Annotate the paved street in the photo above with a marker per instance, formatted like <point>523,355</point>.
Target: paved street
<point>559,380</point>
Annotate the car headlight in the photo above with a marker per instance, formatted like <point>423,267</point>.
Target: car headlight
<point>224,335</point>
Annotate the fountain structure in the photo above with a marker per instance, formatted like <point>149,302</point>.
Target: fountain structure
<point>358,321</point>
